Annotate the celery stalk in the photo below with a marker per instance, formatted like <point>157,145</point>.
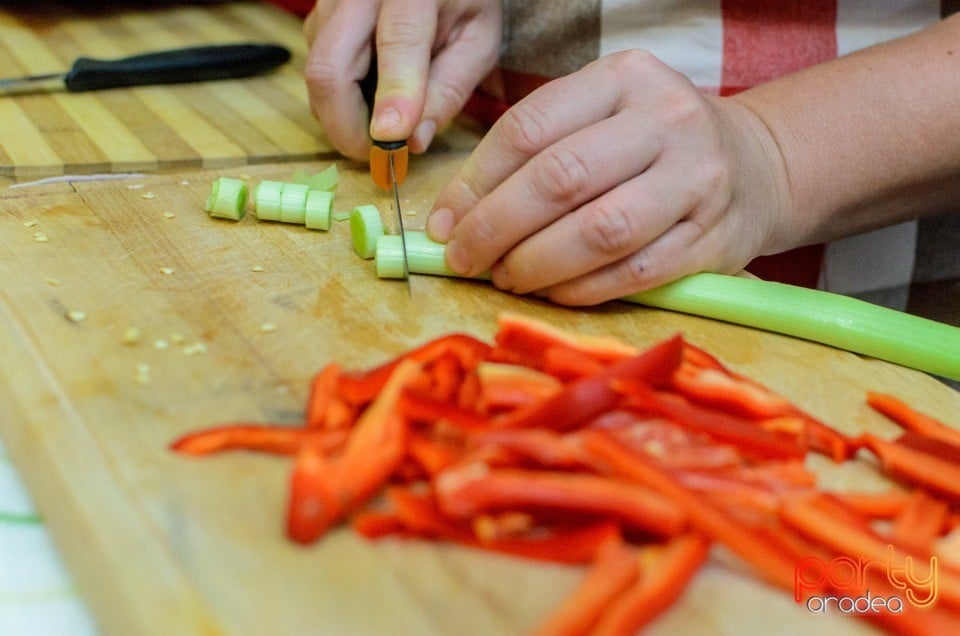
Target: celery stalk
<point>424,255</point>
<point>839,321</point>
<point>832,319</point>
<point>227,199</point>
<point>317,213</point>
<point>267,200</point>
<point>366,227</point>
<point>293,202</point>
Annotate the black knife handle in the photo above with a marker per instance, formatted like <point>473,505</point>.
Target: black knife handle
<point>195,64</point>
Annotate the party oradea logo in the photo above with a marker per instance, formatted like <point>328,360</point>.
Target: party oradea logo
<point>843,584</point>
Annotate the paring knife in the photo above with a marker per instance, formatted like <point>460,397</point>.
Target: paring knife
<point>388,162</point>
<point>194,64</point>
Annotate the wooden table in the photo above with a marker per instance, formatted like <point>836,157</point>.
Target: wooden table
<point>160,544</point>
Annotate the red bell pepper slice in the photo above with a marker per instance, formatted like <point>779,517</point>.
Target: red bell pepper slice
<point>322,493</point>
<point>661,582</point>
<point>912,420</point>
<point>414,406</point>
<point>916,466</point>
<point>725,392</point>
<point>614,568</point>
<point>772,558</point>
<point>545,448</point>
<point>361,387</point>
<point>264,438</point>
<point>466,491</point>
<point>562,543</point>
<point>743,434</point>
<point>922,521</point>
<point>582,400</point>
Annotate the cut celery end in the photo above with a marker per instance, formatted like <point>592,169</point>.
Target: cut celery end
<point>424,256</point>
<point>325,180</point>
<point>366,227</point>
<point>293,202</point>
<point>832,319</point>
<point>341,216</point>
<point>267,200</point>
<point>319,206</point>
<point>227,199</point>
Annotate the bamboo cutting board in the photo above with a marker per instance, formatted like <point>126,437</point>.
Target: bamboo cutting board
<point>211,124</point>
<point>160,544</point>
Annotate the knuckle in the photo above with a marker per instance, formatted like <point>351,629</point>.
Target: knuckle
<point>562,174</point>
<point>321,77</point>
<point>449,97</point>
<point>523,127</point>
<point>635,271</point>
<point>401,33</point>
<point>480,233</point>
<point>607,229</point>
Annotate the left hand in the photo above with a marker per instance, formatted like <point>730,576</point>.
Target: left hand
<point>615,179</point>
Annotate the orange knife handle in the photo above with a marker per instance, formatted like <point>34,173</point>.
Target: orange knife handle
<point>380,153</point>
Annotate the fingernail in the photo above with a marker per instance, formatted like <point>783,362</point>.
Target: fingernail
<point>424,133</point>
<point>440,225</point>
<point>457,259</point>
<point>390,118</point>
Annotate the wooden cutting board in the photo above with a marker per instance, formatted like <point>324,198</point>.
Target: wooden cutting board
<point>160,544</point>
<point>211,124</point>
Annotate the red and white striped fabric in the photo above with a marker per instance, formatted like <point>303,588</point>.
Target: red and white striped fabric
<point>723,46</point>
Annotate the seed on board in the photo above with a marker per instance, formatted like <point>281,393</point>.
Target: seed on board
<point>161,344</point>
<point>169,215</point>
<point>53,282</point>
<point>131,335</point>
<point>75,315</point>
<point>184,182</point>
<point>40,237</point>
<point>268,327</point>
<point>257,268</point>
<point>195,349</point>
<point>30,223</point>
<point>166,271</point>
<point>135,186</point>
<point>148,195</point>
<point>143,373</point>
<point>177,338</point>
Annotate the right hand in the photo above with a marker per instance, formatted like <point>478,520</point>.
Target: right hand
<point>431,54</point>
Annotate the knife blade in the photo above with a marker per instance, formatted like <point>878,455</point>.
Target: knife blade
<point>388,163</point>
<point>174,66</point>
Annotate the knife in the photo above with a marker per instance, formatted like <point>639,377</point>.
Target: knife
<point>175,66</point>
<point>388,162</point>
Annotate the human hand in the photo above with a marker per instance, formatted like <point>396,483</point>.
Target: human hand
<point>431,54</point>
<point>612,180</point>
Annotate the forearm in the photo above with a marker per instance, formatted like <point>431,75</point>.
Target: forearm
<point>869,139</point>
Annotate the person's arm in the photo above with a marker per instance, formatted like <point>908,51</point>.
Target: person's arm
<point>869,139</point>
<point>623,176</point>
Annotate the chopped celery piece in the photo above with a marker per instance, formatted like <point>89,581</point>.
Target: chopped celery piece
<point>366,227</point>
<point>293,202</point>
<point>227,198</point>
<point>267,200</point>
<point>840,321</point>
<point>832,319</point>
<point>424,256</point>
<point>341,216</point>
<point>325,180</point>
<point>319,205</point>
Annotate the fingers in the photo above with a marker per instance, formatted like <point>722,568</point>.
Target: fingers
<point>602,231</point>
<point>470,53</point>
<point>339,56</point>
<point>405,32</point>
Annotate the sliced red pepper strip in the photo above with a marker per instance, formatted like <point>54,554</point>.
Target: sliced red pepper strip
<point>922,521</point>
<point>417,407</point>
<point>569,364</point>
<point>725,392</point>
<point>322,493</point>
<point>430,454</point>
<point>915,466</point>
<point>371,524</point>
<point>361,387</point>
<point>662,581</point>
<point>323,392</point>
<point>743,434</point>
<point>582,400</point>
<point>614,568</point>
<point>546,448</point>
<point>885,505</point>
<point>508,386</point>
<point>469,490</point>
<point>264,438</point>
<point>445,377</point>
<point>912,420</point>
<point>771,558</point>
<point>571,544</point>
<point>527,340</point>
